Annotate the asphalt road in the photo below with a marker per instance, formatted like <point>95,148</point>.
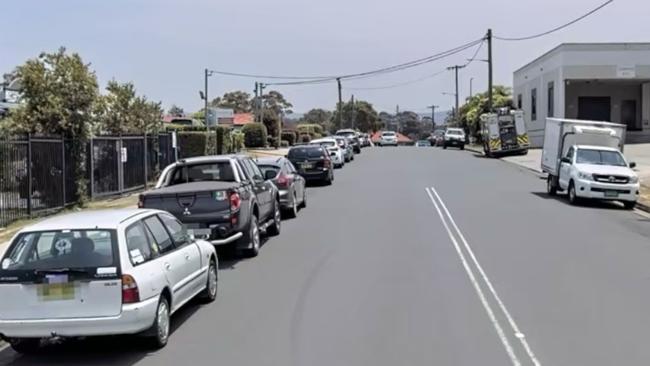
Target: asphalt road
<point>419,256</point>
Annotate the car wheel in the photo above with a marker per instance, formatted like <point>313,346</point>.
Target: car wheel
<point>303,204</point>
<point>212,285</point>
<point>444,147</point>
<point>551,189</point>
<point>629,205</point>
<point>274,229</point>
<point>573,197</point>
<point>25,345</point>
<point>292,212</point>
<point>160,328</point>
<point>462,147</point>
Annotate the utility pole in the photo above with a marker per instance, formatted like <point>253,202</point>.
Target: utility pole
<point>339,105</point>
<point>205,99</point>
<point>261,99</point>
<point>456,68</point>
<point>257,101</point>
<point>352,116</point>
<point>489,42</point>
<point>470,87</point>
<point>433,116</point>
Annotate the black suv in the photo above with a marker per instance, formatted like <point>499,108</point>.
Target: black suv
<point>313,163</point>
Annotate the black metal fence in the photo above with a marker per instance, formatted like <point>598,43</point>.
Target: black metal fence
<point>37,173</point>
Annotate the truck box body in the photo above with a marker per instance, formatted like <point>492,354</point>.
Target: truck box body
<point>504,132</point>
<point>560,134</point>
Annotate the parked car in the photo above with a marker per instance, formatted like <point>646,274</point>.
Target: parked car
<point>293,193</point>
<point>347,148</point>
<point>354,139</point>
<point>225,199</point>
<point>438,138</point>
<point>365,140</point>
<point>103,272</point>
<point>313,163</point>
<point>388,138</point>
<point>423,143</point>
<point>336,153</point>
<point>454,137</point>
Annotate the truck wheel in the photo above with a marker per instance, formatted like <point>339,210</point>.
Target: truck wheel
<point>629,205</point>
<point>551,188</point>
<point>25,345</point>
<point>251,239</point>
<point>274,228</point>
<point>573,197</point>
<point>462,147</point>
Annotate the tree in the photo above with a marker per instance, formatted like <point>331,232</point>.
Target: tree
<point>122,111</point>
<point>318,116</point>
<point>471,111</point>
<point>363,117</point>
<point>176,111</point>
<point>58,93</point>
<point>239,101</point>
<point>276,102</point>
<point>410,124</point>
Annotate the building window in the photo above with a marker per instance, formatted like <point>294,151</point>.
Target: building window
<point>533,105</point>
<point>551,99</point>
<point>519,102</point>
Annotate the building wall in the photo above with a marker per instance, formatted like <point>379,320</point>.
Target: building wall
<point>616,91</point>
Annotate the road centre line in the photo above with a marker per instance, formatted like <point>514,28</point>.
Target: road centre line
<point>486,305</point>
<point>513,325</point>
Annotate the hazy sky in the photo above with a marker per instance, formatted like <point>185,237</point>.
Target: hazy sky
<point>163,45</point>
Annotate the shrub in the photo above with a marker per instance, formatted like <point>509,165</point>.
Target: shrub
<point>254,135</point>
<point>174,127</point>
<point>305,138</point>
<point>237,141</point>
<point>284,143</point>
<point>289,136</point>
<point>272,141</point>
<point>310,128</point>
<point>192,144</point>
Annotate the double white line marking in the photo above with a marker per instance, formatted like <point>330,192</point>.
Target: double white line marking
<point>448,219</point>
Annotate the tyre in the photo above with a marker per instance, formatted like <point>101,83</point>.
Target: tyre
<point>462,147</point>
<point>212,284</point>
<point>292,211</point>
<point>274,228</point>
<point>25,345</point>
<point>573,197</point>
<point>444,146</point>
<point>328,181</point>
<point>551,188</point>
<point>251,239</point>
<point>160,328</point>
<point>303,204</point>
<point>629,205</point>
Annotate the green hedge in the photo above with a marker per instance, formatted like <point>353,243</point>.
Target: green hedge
<point>289,137</point>
<point>191,144</point>
<point>304,138</point>
<point>310,128</point>
<point>178,128</point>
<point>254,135</point>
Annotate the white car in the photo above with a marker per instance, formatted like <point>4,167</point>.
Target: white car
<point>336,152</point>
<point>388,138</point>
<point>101,273</point>
<point>597,172</point>
<point>454,137</point>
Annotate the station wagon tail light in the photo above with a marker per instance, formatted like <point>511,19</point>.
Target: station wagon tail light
<point>130,292</point>
<point>284,181</point>
<point>235,201</point>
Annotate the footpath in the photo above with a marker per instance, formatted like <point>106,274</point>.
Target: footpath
<point>638,153</point>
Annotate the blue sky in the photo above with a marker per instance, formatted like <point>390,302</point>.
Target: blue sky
<point>163,45</point>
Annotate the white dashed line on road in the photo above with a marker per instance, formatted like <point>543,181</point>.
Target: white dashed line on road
<point>445,218</point>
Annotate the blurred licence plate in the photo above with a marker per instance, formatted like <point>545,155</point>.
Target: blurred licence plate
<point>611,194</point>
<point>58,287</point>
<point>199,232</point>
<point>307,165</point>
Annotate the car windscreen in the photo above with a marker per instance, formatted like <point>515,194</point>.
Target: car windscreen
<point>326,143</point>
<point>202,172</point>
<point>455,132</point>
<point>61,250</point>
<point>599,157</point>
<point>268,168</point>
<point>305,152</point>
<point>388,134</point>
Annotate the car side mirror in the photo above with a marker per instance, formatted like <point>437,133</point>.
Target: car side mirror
<point>566,160</point>
<point>269,175</point>
<point>632,165</point>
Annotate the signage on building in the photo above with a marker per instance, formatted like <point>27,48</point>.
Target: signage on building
<point>218,114</point>
<point>626,71</point>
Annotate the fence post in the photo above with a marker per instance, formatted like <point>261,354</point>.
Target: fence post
<point>63,171</point>
<point>120,175</point>
<point>29,174</point>
<point>145,154</point>
<point>92,168</point>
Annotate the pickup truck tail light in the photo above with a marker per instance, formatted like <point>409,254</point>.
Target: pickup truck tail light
<point>235,201</point>
<point>130,292</point>
<point>284,181</point>
<point>327,163</point>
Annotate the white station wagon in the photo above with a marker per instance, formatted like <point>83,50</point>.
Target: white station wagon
<point>101,273</point>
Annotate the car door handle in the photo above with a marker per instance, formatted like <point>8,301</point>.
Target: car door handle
<point>168,266</point>
<point>187,256</point>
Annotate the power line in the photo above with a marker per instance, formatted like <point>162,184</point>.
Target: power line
<point>556,28</point>
<point>276,77</point>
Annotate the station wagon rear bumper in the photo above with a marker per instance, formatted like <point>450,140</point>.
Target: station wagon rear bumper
<point>134,318</point>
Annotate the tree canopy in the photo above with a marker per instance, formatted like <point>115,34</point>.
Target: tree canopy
<point>122,111</point>
<point>474,107</point>
<point>360,115</point>
<point>239,101</point>
<point>176,111</point>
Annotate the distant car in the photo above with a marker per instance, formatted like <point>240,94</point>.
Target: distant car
<point>438,138</point>
<point>293,194</point>
<point>104,272</point>
<point>423,143</point>
<point>365,140</point>
<point>347,148</point>
<point>336,153</point>
<point>454,137</point>
<point>388,138</point>
<point>313,163</point>
<point>183,121</point>
<point>354,139</point>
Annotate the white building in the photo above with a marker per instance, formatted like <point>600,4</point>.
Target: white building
<point>593,81</point>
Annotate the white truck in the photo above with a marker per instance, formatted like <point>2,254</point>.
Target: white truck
<point>504,133</point>
<point>584,158</point>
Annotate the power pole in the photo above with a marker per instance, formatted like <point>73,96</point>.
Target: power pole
<point>262,86</point>
<point>489,41</point>
<point>471,94</point>
<point>339,105</point>
<point>205,95</point>
<point>352,116</point>
<point>433,116</point>
<point>256,112</point>
<point>456,68</point>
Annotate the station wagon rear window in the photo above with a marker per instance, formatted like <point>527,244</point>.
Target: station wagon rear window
<point>61,251</point>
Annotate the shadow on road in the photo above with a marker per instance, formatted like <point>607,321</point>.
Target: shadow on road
<point>606,205</point>
<point>112,350</point>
